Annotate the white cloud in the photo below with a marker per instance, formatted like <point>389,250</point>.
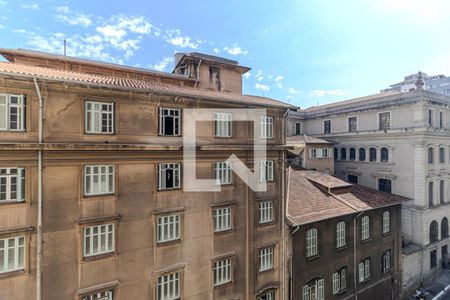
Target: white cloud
<point>135,24</point>
<point>235,50</point>
<point>279,78</point>
<point>247,75</point>
<point>161,66</point>
<point>19,30</point>
<point>62,9</point>
<point>2,2</point>
<point>216,50</point>
<point>321,93</point>
<point>75,19</point>
<point>292,90</point>
<point>1,26</point>
<point>111,32</point>
<point>32,6</point>
<point>262,87</point>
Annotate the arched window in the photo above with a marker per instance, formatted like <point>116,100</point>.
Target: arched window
<point>386,259</point>
<point>434,232</point>
<point>343,154</point>
<point>362,154</point>
<point>339,280</point>
<point>444,228</point>
<point>352,153</point>
<point>373,154</point>
<point>430,193</point>
<point>384,154</point>
<point>314,289</point>
<point>267,295</point>
<point>336,153</point>
<point>311,242</point>
<point>430,155</point>
<point>441,155</point>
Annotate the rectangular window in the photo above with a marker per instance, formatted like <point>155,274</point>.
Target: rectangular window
<point>365,228</point>
<point>314,290</point>
<point>364,270</point>
<point>441,119</point>
<point>168,287</point>
<point>169,121</point>
<point>222,172</point>
<point>98,239</point>
<point>12,112</point>
<point>265,259</point>
<point>352,124</point>
<point>99,117</point>
<point>430,194</point>
<point>222,219</point>
<point>222,271</point>
<point>327,126</point>
<point>386,222</point>
<point>98,180</point>
<point>169,176</point>
<point>12,184</point>
<point>265,211</point>
<point>386,260</point>
<point>339,281</point>
<point>340,235</point>
<point>311,242</point>
<point>384,120</point>
<point>105,295</point>
<point>441,192</point>
<point>352,179</point>
<point>223,124</point>
<point>266,170</point>
<point>12,254</point>
<point>266,127</point>
<point>318,153</point>
<point>298,128</point>
<point>385,185</point>
<point>430,117</point>
<point>168,228</point>
<point>433,259</point>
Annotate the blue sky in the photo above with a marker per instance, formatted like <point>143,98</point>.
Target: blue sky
<point>302,52</point>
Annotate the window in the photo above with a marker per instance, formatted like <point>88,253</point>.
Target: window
<point>365,228</point>
<point>12,254</point>
<point>430,194</point>
<point>336,153</point>
<point>168,228</point>
<point>362,154</point>
<point>98,180</point>
<point>373,154</point>
<point>270,295</point>
<point>384,154</point>
<point>364,270</point>
<point>352,179</point>
<point>169,176</point>
<point>434,232</point>
<point>223,172</point>
<point>266,170</point>
<point>298,128</point>
<point>352,152</point>
<point>99,117</point>
<point>384,120</point>
<point>12,184</point>
<point>430,155</point>
<point>223,125</point>
<point>386,222</point>
<point>339,281</point>
<point>265,259</point>
<point>105,295</point>
<point>343,154</point>
<point>169,121</point>
<point>352,124</point>
<point>430,117</point>
<point>222,219</point>
<point>266,127</point>
<point>98,239</point>
<point>385,185</point>
<point>340,235</point>
<point>441,191</point>
<point>222,271</point>
<point>12,112</point>
<point>433,259</point>
<point>265,212</point>
<point>168,287</point>
<point>314,290</point>
<point>386,260</point>
<point>311,242</point>
<point>441,119</point>
<point>327,126</point>
<point>444,228</point>
<point>441,155</point>
<point>318,153</point>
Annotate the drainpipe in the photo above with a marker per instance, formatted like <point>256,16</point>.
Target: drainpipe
<point>39,214</point>
<point>283,243</point>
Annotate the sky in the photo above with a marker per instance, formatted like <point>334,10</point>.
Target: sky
<point>302,52</point>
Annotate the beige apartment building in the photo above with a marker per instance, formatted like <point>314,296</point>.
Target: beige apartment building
<point>92,205</point>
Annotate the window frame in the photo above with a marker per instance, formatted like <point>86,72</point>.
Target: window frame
<point>318,289</point>
<point>386,223</point>
<point>352,127</point>
<point>21,111</point>
<point>20,184</point>
<point>266,170</point>
<point>430,155</point>
<point>165,279</point>
<point>384,150</point>
<point>312,242</point>
<point>177,119</point>
<point>380,126</point>
<point>227,219</point>
<point>341,236</point>
<point>298,128</point>
<point>176,172</point>
<point>371,157</point>
<point>364,270</point>
<point>223,125</point>
<point>174,223</point>
<point>266,258</point>
<point>110,189</point>
<point>19,264</point>
<point>384,180</point>
<point>87,120</point>
<point>327,129</point>
<point>222,267</point>
<point>266,127</point>
<point>95,294</point>
<point>108,250</point>
<point>362,157</point>
<point>223,173</point>
<point>386,261</point>
<point>365,228</point>
<point>339,281</point>
<point>266,212</point>
<point>442,155</point>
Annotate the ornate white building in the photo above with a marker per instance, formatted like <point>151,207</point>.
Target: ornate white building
<point>398,143</point>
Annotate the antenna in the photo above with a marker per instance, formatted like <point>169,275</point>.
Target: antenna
<point>65,47</point>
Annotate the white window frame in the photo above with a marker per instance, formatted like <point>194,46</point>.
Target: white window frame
<point>269,295</point>
<point>386,222</point>
<point>222,270</point>
<point>340,235</point>
<point>103,295</point>
<point>168,228</point>
<point>266,127</point>
<point>222,219</point>
<point>365,228</point>
<point>174,113</point>
<point>311,242</point>
<point>94,115</point>
<point>168,286</point>
<point>176,172</point>
<point>105,177</point>
<point>364,270</point>
<point>266,259</point>
<point>223,124</point>
<point>315,291</point>
<point>104,234</point>
<point>15,252</point>
<point>339,280</point>
<point>387,261</point>
<point>266,170</point>
<point>223,174</point>
<point>266,213</point>
<point>8,187</point>
<point>6,108</point>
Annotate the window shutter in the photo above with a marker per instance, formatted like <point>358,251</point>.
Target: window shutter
<point>361,272</point>
<point>335,283</point>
